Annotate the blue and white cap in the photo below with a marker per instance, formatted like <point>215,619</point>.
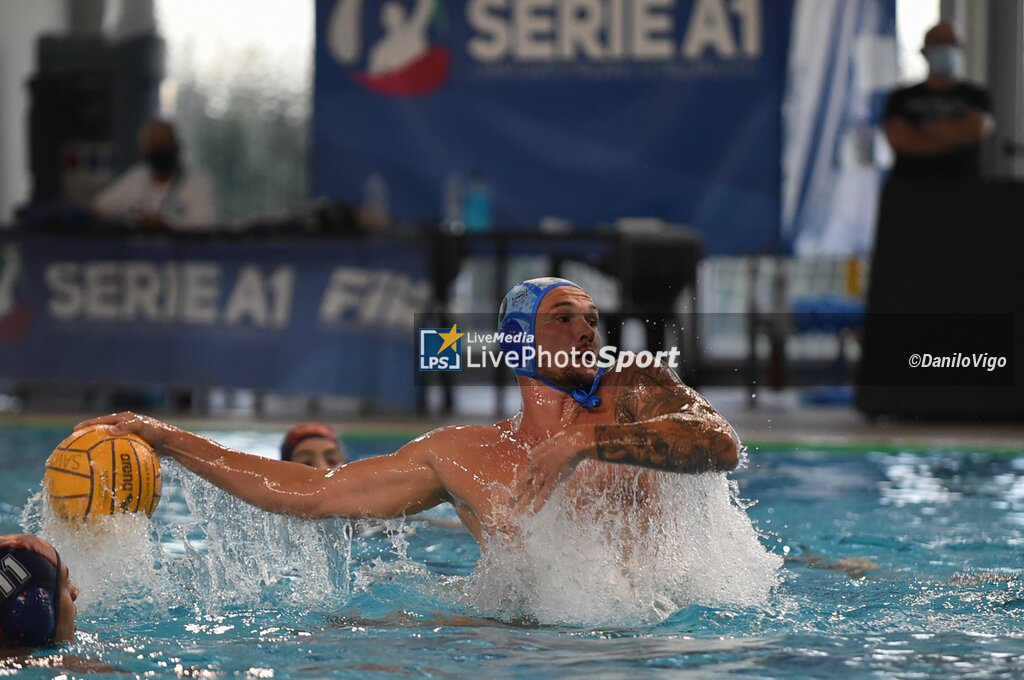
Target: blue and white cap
<point>517,323</point>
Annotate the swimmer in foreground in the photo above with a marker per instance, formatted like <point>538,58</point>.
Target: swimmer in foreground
<point>580,428</point>
<point>37,598</point>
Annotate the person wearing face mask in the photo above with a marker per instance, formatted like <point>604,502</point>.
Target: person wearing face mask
<point>160,191</point>
<point>936,127</point>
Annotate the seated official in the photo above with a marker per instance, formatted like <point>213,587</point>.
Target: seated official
<point>160,191</point>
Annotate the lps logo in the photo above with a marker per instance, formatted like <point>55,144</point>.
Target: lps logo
<point>440,350</point>
<point>400,61</point>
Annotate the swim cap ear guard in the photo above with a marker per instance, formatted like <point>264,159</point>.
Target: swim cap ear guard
<point>518,327</point>
<point>517,324</point>
<point>29,598</point>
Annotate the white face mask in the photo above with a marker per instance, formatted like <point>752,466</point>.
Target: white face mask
<point>943,60</point>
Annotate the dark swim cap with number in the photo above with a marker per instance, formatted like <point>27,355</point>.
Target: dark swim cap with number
<point>29,598</point>
<point>517,323</point>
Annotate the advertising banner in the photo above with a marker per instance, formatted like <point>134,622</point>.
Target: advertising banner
<point>311,316</point>
<point>584,110</point>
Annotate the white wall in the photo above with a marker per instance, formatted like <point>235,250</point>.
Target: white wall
<point>21,23</point>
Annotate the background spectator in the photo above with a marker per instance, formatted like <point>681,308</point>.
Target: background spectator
<point>160,190</point>
<point>936,127</point>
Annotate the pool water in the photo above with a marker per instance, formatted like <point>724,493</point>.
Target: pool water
<point>843,563</point>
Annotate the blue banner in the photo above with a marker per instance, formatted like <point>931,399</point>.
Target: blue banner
<point>311,316</point>
<point>588,110</point>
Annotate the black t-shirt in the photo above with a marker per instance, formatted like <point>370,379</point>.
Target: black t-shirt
<point>921,104</point>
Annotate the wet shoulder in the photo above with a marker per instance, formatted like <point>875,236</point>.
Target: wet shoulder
<point>453,439</point>
<point>628,379</point>
<point>465,456</point>
<point>649,376</point>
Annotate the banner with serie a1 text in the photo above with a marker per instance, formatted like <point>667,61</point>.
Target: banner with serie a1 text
<point>291,315</point>
<point>586,110</point>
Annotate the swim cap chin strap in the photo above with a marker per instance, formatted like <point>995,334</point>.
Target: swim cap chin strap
<point>517,317</point>
<point>29,598</point>
<point>587,399</point>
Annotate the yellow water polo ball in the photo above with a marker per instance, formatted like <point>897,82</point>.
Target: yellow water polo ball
<point>93,473</point>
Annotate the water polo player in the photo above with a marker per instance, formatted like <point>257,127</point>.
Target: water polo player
<point>579,429</point>
<point>313,444</point>
<point>37,598</point>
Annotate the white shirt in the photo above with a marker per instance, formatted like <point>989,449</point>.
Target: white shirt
<point>188,202</point>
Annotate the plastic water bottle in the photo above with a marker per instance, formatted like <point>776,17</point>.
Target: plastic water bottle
<point>376,199</point>
<point>476,209</point>
<point>451,204</point>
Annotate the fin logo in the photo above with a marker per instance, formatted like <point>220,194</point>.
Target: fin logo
<point>440,349</point>
<point>400,61</point>
<point>14,317</point>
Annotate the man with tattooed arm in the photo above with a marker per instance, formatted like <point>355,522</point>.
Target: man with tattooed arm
<point>590,432</point>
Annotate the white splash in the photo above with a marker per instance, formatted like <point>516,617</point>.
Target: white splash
<point>699,548</point>
<point>236,554</point>
<point>205,549</point>
<point>208,551</point>
<point>114,560</point>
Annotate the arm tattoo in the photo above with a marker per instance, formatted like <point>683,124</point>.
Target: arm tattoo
<point>665,425</point>
<point>675,444</point>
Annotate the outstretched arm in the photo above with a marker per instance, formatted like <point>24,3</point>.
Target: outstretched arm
<point>661,424</point>
<point>385,486</point>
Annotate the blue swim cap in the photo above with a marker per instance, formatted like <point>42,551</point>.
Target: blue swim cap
<point>29,598</point>
<point>517,324</point>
